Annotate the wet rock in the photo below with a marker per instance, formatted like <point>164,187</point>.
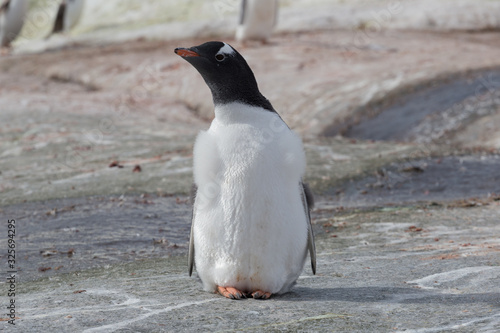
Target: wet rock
<point>436,113</point>
<point>442,180</point>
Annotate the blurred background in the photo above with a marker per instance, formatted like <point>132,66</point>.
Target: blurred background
<point>398,105</point>
<point>115,20</point>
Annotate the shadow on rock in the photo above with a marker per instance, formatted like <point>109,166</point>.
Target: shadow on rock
<point>388,295</point>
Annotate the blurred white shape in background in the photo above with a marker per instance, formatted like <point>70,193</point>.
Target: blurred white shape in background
<point>12,16</point>
<point>258,19</point>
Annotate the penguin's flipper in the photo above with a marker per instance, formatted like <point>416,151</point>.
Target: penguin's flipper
<point>59,22</point>
<point>194,189</point>
<point>242,12</point>
<point>308,203</point>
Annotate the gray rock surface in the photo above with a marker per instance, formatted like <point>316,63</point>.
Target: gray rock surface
<point>408,232</point>
<point>383,270</point>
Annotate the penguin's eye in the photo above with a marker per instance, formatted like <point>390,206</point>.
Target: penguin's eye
<point>219,57</point>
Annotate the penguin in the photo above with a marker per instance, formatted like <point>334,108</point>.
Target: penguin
<point>251,226</point>
<point>68,15</point>
<point>12,16</point>
<point>257,20</point>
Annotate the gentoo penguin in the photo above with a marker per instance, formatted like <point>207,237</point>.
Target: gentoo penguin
<point>67,17</point>
<point>12,16</point>
<point>257,20</point>
<point>251,227</point>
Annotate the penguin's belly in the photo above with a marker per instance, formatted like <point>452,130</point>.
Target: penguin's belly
<point>250,228</point>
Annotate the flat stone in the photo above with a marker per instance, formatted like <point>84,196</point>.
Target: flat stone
<point>379,270</point>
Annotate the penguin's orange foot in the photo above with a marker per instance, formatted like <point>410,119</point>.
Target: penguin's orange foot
<point>261,294</point>
<point>230,292</point>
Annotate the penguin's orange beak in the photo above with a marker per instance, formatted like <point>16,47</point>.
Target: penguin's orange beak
<point>185,52</point>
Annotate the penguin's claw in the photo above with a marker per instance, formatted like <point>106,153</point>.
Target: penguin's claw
<point>230,292</point>
<point>261,294</point>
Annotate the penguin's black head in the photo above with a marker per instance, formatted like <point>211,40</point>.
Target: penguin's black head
<point>226,73</point>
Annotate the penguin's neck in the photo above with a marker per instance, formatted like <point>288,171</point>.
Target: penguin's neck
<point>241,113</point>
<point>244,91</point>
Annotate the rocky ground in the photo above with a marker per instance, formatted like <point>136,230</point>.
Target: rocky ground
<point>400,132</point>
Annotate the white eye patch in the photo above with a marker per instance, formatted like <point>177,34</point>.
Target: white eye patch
<point>226,50</point>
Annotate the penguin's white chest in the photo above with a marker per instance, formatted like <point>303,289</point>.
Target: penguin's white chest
<point>250,229</point>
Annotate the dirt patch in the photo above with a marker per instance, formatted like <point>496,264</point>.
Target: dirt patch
<point>66,235</point>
